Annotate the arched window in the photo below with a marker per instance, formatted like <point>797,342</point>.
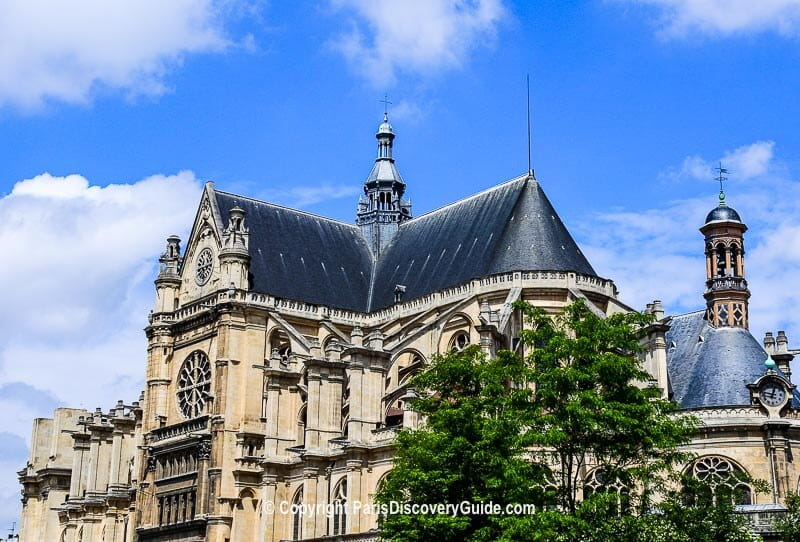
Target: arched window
<point>194,384</point>
<point>549,490</point>
<point>297,515</point>
<point>339,502</point>
<point>600,481</point>
<point>459,341</point>
<point>723,477</point>
<point>722,269</point>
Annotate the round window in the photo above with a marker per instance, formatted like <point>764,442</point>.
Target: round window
<point>194,384</point>
<point>204,266</point>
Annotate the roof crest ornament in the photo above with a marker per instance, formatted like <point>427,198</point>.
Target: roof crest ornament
<point>721,172</point>
<point>531,174</point>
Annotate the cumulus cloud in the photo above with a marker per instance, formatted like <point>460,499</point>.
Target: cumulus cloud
<point>749,161</point>
<point>78,260</point>
<point>658,253</point>
<point>64,50</point>
<point>743,163</point>
<point>678,18</point>
<point>414,36</point>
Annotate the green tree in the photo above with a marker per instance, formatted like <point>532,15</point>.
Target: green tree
<point>695,512</point>
<point>591,404</point>
<point>789,524</point>
<point>470,449</point>
<point>524,429</point>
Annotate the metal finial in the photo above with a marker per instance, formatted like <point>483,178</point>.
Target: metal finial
<point>528,85</point>
<point>385,103</point>
<point>721,178</point>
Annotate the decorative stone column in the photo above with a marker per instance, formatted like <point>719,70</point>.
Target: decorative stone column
<point>367,368</point>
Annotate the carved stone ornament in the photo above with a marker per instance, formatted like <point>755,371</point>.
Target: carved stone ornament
<point>204,451</point>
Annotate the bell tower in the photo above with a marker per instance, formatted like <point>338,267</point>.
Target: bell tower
<point>382,208</point>
<point>726,287</point>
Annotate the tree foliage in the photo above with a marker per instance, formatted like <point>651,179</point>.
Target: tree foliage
<point>789,524</point>
<point>525,429</point>
<point>592,401</point>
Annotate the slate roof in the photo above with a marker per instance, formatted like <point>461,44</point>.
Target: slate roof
<point>300,256</point>
<point>510,227</point>
<point>384,170</point>
<point>710,366</point>
<point>304,257</point>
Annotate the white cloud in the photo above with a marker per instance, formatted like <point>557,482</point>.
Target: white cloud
<point>743,163</point>
<point>750,160</point>
<point>408,111</point>
<point>678,18</point>
<point>65,50</point>
<point>414,36</point>
<point>77,260</point>
<point>658,253</point>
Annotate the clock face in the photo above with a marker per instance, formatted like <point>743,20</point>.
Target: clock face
<point>205,264</point>
<point>772,394</point>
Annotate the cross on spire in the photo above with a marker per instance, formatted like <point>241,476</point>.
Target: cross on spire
<point>385,103</point>
<point>721,172</point>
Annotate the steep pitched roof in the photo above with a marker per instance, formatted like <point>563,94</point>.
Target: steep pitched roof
<point>304,257</point>
<point>710,366</point>
<point>300,256</point>
<point>510,227</point>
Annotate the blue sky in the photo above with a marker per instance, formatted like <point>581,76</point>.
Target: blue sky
<point>111,117</point>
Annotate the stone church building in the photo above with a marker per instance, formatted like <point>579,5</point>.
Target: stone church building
<point>281,344</point>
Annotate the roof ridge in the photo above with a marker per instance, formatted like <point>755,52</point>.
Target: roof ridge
<point>698,311</point>
<point>287,208</point>
<point>467,198</point>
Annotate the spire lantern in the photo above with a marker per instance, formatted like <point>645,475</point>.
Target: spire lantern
<point>726,291</point>
<point>385,137</point>
<point>382,208</point>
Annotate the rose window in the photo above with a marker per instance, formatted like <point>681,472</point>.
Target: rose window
<point>205,265</point>
<point>723,477</point>
<point>194,384</point>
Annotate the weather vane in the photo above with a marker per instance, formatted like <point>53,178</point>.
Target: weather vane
<point>721,172</point>
<point>385,103</point>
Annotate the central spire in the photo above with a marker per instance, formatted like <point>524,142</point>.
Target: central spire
<point>382,208</point>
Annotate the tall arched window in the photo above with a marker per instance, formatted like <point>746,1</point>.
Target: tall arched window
<point>297,515</point>
<point>339,502</point>
<point>723,477</point>
<point>600,481</point>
